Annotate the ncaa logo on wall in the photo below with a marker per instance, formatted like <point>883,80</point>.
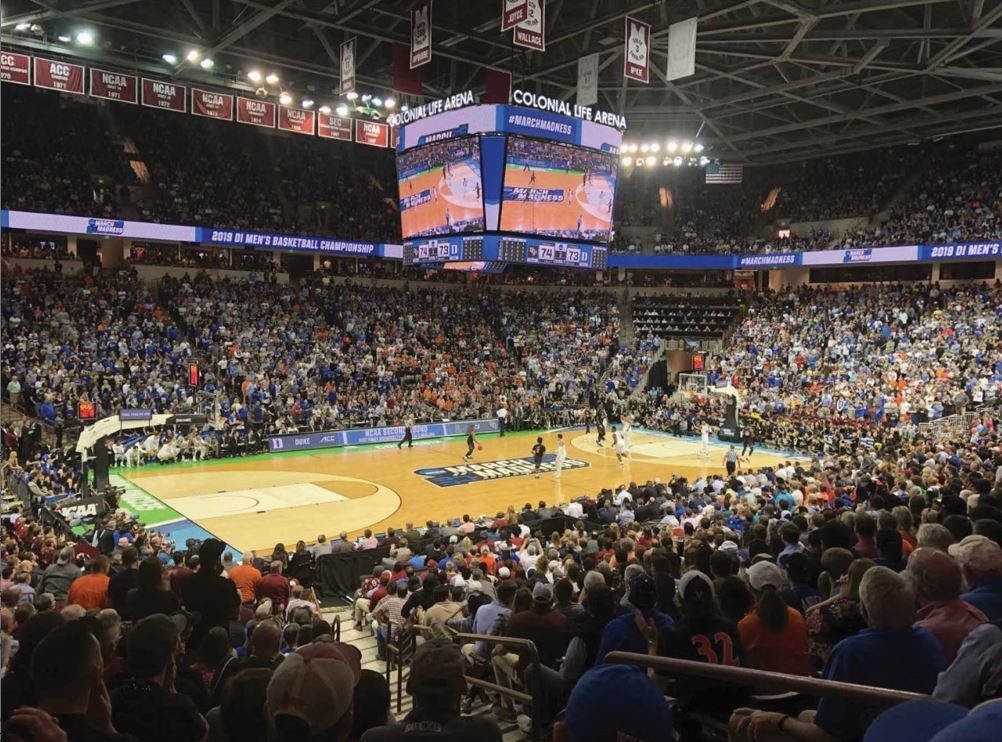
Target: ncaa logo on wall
<point>450,476</point>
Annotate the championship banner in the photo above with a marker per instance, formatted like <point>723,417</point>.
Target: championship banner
<point>515,11</point>
<point>167,96</point>
<point>372,133</point>
<point>114,86</point>
<point>682,49</point>
<point>588,80</point>
<point>421,33</point>
<point>212,105</point>
<point>15,68</point>
<point>348,66</point>
<point>255,112</point>
<point>531,33</point>
<point>61,76</point>
<point>296,120</point>
<point>636,55</point>
<point>333,127</point>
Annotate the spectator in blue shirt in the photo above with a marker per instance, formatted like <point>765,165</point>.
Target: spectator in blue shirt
<point>623,634</point>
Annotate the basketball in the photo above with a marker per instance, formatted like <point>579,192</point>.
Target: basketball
<point>480,447</point>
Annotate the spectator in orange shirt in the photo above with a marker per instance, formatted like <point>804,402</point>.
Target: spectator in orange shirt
<point>246,577</point>
<point>91,591</point>
<point>774,636</point>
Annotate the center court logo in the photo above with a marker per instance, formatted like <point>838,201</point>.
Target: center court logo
<point>450,476</point>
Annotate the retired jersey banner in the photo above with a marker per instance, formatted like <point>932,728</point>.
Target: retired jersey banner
<point>588,80</point>
<point>114,86</point>
<point>61,76</point>
<point>682,49</point>
<point>255,112</point>
<point>15,68</point>
<point>348,66</point>
<point>531,33</point>
<point>636,56</point>
<point>168,96</point>
<point>421,34</point>
<point>333,127</point>
<point>211,104</point>
<point>515,11</point>
<point>296,119</point>
<point>372,133</point>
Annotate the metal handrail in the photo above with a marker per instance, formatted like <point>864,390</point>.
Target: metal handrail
<point>774,681</point>
<point>336,628</point>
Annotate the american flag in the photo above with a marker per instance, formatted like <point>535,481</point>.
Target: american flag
<point>724,173</point>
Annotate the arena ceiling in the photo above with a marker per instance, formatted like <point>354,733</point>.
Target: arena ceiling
<point>776,80</point>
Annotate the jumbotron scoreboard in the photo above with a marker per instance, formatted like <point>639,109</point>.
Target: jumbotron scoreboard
<point>504,184</point>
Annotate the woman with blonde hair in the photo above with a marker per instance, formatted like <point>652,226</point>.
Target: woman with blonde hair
<point>832,620</point>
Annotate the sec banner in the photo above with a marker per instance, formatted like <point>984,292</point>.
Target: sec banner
<point>348,66</point>
<point>61,76</point>
<point>167,96</point>
<point>15,68</point>
<point>212,105</point>
<point>114,86</point>
<point>515,11</point>
<point>531,33</point>
<point>372,133</point>
<point>421,34</point>
<point>256,112</point>
<point>636,56</point>
<point>296,120</point>
<point>333,127</point>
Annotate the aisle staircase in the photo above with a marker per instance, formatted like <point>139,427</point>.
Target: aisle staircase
<point>400,703</point>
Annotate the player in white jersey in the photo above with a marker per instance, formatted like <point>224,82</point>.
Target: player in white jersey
<point>628,431</point>
<point>618,445</point>
<point>704,449</point>
<point>561,456</point>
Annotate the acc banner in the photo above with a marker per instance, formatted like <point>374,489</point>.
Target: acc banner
<point>531,33</point>
<point>682,49</point>
<point>636,56</point>
<point>588,80</point>
<point>348,66</point>
<point>61,76</point>
<point>333,127</point>
<point>168,96</point>
<point>421,34</point>
<point>296,120</point>
<point>255,112</point>
<point>15,68</point>
<point>212,105</point>
<point>372,133</point>
<point>114,86</point>
<point>515,11</point>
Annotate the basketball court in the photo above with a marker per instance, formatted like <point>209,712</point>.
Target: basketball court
<point>453,199</point>
<point>254,502</point>
<point>591,202</point>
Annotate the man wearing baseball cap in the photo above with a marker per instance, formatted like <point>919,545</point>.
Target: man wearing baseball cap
<point>437,683</point>
<point>981,560</point>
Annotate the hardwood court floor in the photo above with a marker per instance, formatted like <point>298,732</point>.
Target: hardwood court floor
<point>252,503</point>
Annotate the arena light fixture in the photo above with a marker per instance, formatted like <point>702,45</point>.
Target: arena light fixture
<point>655,147</point>
<point>22,27</point>
<point>325,109</point>
<point>207,64</point>
<point>626,160</point>
<point>672,145</point>
<point>285,99</point>
<point>405,107</point>
<point>377,102</point>
<point>366,98</point>
<point>193,55</point>
<point>666,160</point>
<point>644,147</point>
<point>686,148</point>
<point>342,110</point>
<point>65,38</point>
<point>390,103</point>
<point>639,162</point>
<point>678,162</point>
<point>271,79</point>
<point>698,148</point>
<point>85,37</point>
<point>651,160</point>
<point>633,148</point>
<point>704,161</point>
<point>306,103</point>
<point>254,76</point>
<point>352,95</point>
<point>169,58</point>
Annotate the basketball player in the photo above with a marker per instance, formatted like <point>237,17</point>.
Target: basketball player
<point>561,455</point>
<point>477,189</point>
<point>471,443</point>
<point>537,457</point>
<point>618,445</point>
<point>408,435</point>
<point>448,220</point>
<point>580,223</point>
<point>748,439</point>
<point>628,431</point>
<point>704,449</point>
<point>600,426</point>
<point>532,178</point>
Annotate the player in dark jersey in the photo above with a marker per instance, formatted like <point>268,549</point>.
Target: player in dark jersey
<point>471,443</point>
<point>748,439</point>
<point>537,457</point>
<point>532,178</point>
<point>600,427</point>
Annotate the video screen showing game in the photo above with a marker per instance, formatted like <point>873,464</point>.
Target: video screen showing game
<point>440,188</point>
<point>557,190</point>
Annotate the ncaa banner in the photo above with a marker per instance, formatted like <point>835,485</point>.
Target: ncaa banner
<point>421,34</point>
<point>167,96</point>
<point>588,80</point>
<point>333,127</point>
<point>61,76</point>
<point>15,68</point>
<point>514,12</point>
<point>682,49</point>
<point>348,65</point>
<point>114,86</point>
<point>531,33</point>
<point>636,55</point>
<point>296,120</point>
<point>255,112</point>
<point>372,133</point>
<point>211,104</point>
